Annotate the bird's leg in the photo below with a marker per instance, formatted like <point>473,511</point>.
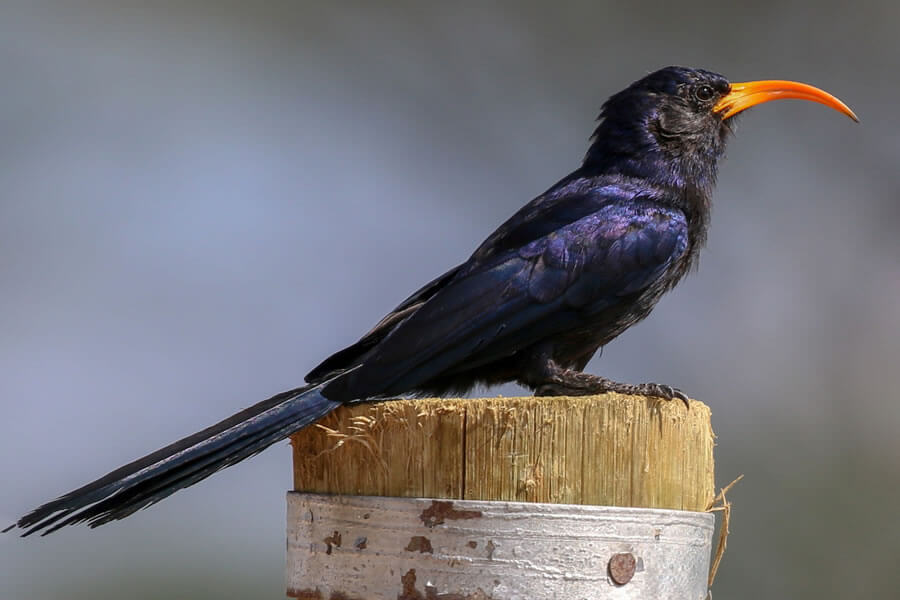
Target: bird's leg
<point>547,378</point>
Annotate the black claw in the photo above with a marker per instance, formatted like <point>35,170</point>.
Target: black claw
<point>666,392</point>
<point>684,398</point>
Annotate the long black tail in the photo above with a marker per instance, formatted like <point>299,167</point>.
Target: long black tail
<point>155,476</point>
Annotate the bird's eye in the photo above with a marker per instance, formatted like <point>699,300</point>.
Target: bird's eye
<point>704,93</point>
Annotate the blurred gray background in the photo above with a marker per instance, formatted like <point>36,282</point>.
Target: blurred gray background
<point>201,199</point>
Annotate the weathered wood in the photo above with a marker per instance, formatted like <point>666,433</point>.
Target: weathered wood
<point>609,450</point>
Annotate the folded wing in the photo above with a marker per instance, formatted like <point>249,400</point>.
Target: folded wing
<point>494,307</point>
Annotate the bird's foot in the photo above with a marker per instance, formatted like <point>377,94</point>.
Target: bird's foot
<point>574,383</point>
<point>655,390</point>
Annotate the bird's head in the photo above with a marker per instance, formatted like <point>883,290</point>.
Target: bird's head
<point>673,123</point>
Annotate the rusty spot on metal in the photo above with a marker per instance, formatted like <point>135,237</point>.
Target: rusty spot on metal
<point>472,544</point>
<point>419,543</point>
<point>621,567</point>
<point>408,581</point>
<point>361,543</point>
<point>441,510</point>
<point>333,540</point>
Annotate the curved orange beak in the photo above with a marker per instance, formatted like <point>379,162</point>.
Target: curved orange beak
<point>750,93</point>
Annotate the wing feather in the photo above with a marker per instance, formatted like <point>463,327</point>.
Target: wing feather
<point>520,296</point>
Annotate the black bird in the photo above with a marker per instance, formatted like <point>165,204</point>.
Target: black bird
<point>566,274</point>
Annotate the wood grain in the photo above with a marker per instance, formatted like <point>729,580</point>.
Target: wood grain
<point>608,450</point>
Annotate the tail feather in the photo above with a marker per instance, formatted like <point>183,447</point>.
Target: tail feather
<point>183,463</point>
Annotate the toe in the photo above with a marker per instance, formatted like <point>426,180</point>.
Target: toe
<point>667,392</point>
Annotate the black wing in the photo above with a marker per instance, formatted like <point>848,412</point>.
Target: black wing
<point>514,298</point>
<point>567,201</point>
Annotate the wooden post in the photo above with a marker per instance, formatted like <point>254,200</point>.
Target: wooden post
<point>503,498</point>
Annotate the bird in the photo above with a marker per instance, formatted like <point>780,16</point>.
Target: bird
<point>562,277</point>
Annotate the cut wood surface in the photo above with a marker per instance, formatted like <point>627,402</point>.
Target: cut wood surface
<point>609,450</point>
